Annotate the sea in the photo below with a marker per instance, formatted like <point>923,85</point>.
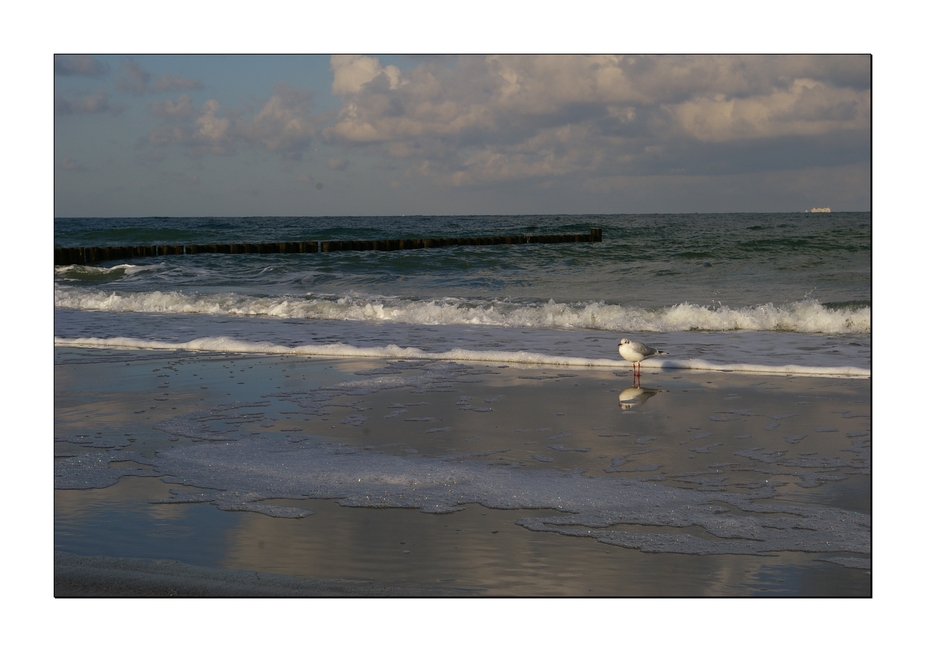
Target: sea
<point>233,411</point>
<point>775,293</point>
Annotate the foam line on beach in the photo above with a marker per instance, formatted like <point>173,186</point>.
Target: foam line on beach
<point>230,345</point>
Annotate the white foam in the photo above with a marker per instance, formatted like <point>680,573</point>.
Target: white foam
<point>807,316</point>
<point>94,272</point>
<point>599,508</point>
<point>228,344</point>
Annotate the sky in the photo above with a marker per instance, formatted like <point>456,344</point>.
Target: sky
<point>238,135</point>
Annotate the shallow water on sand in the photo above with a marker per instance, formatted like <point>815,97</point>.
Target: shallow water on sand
<point>486,479</point>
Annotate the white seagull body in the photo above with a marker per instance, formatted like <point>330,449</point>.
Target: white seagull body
<point>635,352</point>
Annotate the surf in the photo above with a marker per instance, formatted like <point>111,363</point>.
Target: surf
<point>805,316</point>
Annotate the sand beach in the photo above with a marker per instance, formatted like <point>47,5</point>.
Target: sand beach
<point>206,474</point>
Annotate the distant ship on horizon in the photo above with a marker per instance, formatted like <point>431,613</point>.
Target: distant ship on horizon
<point>819,210</point>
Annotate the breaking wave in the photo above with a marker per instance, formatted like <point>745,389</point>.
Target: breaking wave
<point>806,316</point>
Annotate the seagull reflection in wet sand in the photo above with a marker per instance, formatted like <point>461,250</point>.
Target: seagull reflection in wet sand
<point>636,395</point>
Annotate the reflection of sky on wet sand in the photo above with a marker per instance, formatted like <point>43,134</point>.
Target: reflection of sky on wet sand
<point>480,551</point>
<point>121,521</point>
<point>718,435</point>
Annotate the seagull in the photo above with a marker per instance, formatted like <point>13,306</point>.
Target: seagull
<point>635,352</point>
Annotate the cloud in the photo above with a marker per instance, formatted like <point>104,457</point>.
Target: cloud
<point>136,80</point>
<point>133,78</point>
<point>182,109</point>
<point>477,120</point>
<point>211,129</point>
<point>283,125</point>
<point>205,131</point>
<point>338,164</point>
<point>352,72</point>
<point>97,102</point>
<point>806,108</point>
<point>82,65</point>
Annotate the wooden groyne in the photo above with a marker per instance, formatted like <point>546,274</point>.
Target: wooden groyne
<point>97,254</point>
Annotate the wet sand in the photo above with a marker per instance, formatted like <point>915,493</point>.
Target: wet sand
<point>102,576</point>
<point>566,481</point>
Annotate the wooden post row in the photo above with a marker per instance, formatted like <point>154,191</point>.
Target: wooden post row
<point>94,254</point>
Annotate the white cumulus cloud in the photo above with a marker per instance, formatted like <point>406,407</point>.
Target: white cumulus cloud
<point>486,119</point>
<point>283,124</point>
